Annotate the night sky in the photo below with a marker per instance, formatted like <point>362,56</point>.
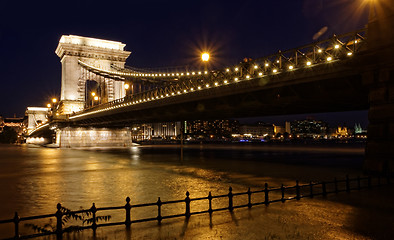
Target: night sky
<point>160,34</point>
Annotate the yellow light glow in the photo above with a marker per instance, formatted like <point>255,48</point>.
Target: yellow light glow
<point>291,67</point>
<point>54,100</point>
<point>191,89</point>
<point>336,46</point>
<point>227,70</point>
<point>185,91</point>
<point>247,76</point>
<point>93,94</point>
<point>49,105</point>
<point>207,85</point>
<point>96,98</point>
<point>274,70</point>
<point>205,57</point>
<point>199,87</point>
<point>266,64</point>
<point>329,58</point>
<point>126,86</point>
<point>225,81</point>
<point>349,54</point>
<point>308,63</point>
<point>206,72</point>
<point>260,74</point>
<point>235,79</point>
<point>255,66</point>
<point>216,83</point>
<point>236,69</point>
<point>319,50</point>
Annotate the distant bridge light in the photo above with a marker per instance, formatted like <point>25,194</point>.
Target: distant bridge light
<point>319,50</point>
<point>54,100</point>
<point>205,57</point>
<point>199,73</point>
<point>255,66</point>
<point>308,63</point>
<point>329,58</point>
<point>199,87</point>
<point>93,94</point>
<point>225,81</point>
<point>227,70</point>
<point>49,105</point>
<point>291,67</point>
<point>193,73</point>
<point>216,83</point>
<point>266,64</point>
<point>185,91</point>
<point>126,86</point>
<point>96,98</point>
<point>191,89</point>
<point>247,76</point>
<point>235,79</point>
<point>260,74</point>
<point>336,46</point>
<point>349,53</point>
<point>274,71</point>
<point>236,69</point>
<point>207,85</point>
<point>206,72</point>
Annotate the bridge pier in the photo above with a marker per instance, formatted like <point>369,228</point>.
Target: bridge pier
<point>379,77</point>
<point>72,137</point>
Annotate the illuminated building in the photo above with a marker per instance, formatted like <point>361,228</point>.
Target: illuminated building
<point>308,128</point>
<point>258,130</point>
<point>212,128</point>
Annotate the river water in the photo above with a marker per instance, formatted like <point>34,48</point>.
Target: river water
<point>34,180</point>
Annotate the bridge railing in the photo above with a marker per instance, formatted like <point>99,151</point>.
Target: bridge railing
<point>330,50</point>
<point>200,205</point>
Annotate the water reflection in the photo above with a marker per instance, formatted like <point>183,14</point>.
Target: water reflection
<point>34,180</point>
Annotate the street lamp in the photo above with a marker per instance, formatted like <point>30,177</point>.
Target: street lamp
<point>49,105</point>
<point>54,100</point>
<point>93,94</point>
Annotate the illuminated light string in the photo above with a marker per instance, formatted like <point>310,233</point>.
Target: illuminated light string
<point>181,74</point>
<point>141,100</point>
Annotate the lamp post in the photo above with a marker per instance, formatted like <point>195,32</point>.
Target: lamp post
<point>205,59</point>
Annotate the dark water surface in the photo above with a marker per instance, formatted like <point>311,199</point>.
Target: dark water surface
<point>34,180</point>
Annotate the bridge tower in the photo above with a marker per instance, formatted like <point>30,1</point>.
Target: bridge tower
<point>72,50</point>
<point>379,77</point>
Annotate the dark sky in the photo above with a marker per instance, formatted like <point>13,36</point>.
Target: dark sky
<point>159,34</point>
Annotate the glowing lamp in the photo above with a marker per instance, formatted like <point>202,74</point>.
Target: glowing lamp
<point>205,57</point>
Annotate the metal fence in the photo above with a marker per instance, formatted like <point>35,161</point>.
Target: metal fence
<point>267,196</point>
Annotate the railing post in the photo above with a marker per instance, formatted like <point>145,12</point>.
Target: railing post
<point>249,198</point>
<point>311,189</point>
<point>187,201</point>
<point>159,210</point>
<point>282,189</point>
<point>347,183</point>
<point>59,224</point>
<point>336,185</point>
<point>230,199</point>
<point>210,203</point>
<point>324,189</point>
<point>297,190</point>
<point>266,197</point>
<point>16,223</point>
<point>128,217</point>
<point>358,183</point>
<point>93,209</point>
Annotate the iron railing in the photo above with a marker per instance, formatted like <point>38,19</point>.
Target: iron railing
<point>263,196</point>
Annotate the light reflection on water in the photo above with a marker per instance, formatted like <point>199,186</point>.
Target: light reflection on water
<point>34,180</point>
